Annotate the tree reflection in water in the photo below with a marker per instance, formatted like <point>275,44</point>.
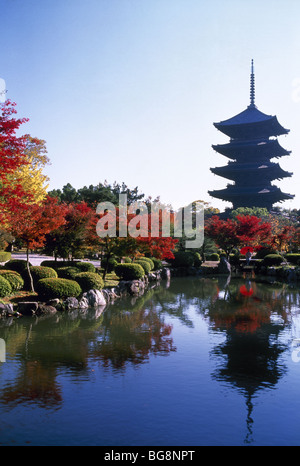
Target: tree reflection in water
<point>131,336</point>
<point>250,316</point>
<point>126,333</point>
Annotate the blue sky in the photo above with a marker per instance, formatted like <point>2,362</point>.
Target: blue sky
<point>128,90</point>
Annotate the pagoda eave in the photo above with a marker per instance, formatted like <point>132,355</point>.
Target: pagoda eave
<point>253,130</point>
<point>234,171</point>
<point>263,195</point>
<point>252,149</point>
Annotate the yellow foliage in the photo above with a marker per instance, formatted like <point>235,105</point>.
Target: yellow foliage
<point>33,181</point>
<point>30,176</point>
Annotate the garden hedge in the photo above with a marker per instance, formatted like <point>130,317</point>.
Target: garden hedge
<point>19,265</point>
<point>213,257</point>
<point>50,288</point>
<point>197,259</point>
<point>127,260</point>
<point>147,259</point>
<point>146,266</point>
<point>157,263</point>
<point>129,271</point>
<point>5,287</point>
<point>67,272</point>
<point>82,266</point>
<point>185,259</point>
<point>264,251</point>
<point>14,278</point>
<point>5,256</point>
<point>272,259</point>
<point>112,263</point>
<point>53,263</point>
<point>293,258</point>
<point>89,281</point>
<point>37,273</point>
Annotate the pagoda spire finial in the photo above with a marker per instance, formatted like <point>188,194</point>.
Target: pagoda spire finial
<point>252,86</point>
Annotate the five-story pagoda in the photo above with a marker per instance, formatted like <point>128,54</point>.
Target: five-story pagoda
<point>253,143</point>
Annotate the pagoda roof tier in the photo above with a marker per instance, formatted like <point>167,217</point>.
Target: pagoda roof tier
<point>252,172</point>
<point>260,149</point>
<point>251,124</point>
<point>251,195</point>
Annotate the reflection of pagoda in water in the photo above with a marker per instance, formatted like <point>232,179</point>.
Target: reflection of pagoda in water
<point>249,357</point>
<point>253,143</point>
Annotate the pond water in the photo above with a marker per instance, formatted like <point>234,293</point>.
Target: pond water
<point>197,361</point>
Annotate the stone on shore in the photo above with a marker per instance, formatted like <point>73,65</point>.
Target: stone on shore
<point>6,310</point>
<point>44,309</point>
<point>92,298</point>
<point>133,287</point>
<point>28,308</point>
<point>70,303</point>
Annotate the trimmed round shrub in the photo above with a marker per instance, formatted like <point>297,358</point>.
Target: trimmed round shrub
<point>213,257</point>
<point>50,288</point>
<point>38,272</point>
<point>157,263</point>
<point>52,263</point>
<point>67,272</point>
<point>272,259</point>
<point>293,258</point>
<point>129,271</point>
<point>18,265</point>
<point>146,266</point>
<point>5,256</point>
<point>112,263</point>
<point>183,259</point>
<point>263,252</point>
<point>197,259</point>
<point>127,260</point>
<point>147,259</point>
<point>55,264</point>
<point>89,281</point>
<point>5,287</point>
<point>84,266</point>
<point>14,278</point>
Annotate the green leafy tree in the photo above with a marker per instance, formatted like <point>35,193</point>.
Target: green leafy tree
<point>70,239</point>
<point>94,194</point>
<point>259,212</point>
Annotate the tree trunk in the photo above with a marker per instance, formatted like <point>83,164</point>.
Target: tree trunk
<point>106,266</point>
<point>28,270</point>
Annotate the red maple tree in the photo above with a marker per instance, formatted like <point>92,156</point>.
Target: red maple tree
<point>12,156</point>
<point>33,222</point>
<point>120,241</point>
<point>244,230</point>
<point>75,234</point>
<point>285,237</point>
